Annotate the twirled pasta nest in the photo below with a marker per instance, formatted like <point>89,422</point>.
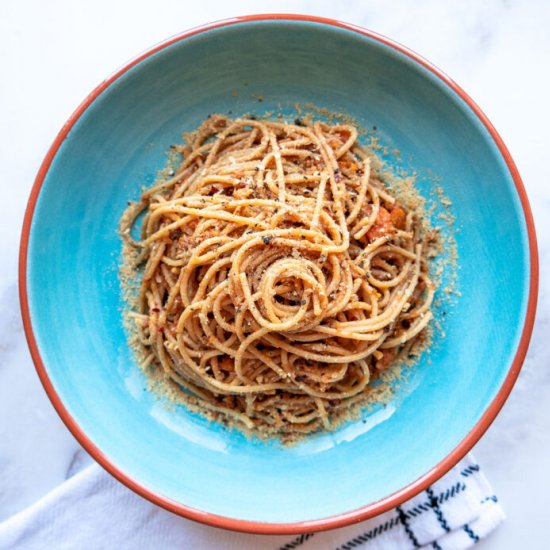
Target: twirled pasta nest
<point>279,274</point>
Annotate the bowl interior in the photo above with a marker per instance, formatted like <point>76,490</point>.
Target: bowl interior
<point>118,145</point>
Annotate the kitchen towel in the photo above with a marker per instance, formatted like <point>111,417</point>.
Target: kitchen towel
<point>91,510</point>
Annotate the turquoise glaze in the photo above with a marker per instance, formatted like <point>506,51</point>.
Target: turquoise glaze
<point>118,145</point>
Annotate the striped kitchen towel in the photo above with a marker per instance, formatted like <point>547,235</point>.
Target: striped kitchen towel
<point>92,510</point>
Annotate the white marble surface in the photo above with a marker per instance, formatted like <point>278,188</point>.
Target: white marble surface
<point>53,53</point>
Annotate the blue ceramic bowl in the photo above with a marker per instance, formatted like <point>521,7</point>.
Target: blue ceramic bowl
<point>72,302</point>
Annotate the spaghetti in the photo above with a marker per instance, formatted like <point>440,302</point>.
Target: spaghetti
<point>279,274</point>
